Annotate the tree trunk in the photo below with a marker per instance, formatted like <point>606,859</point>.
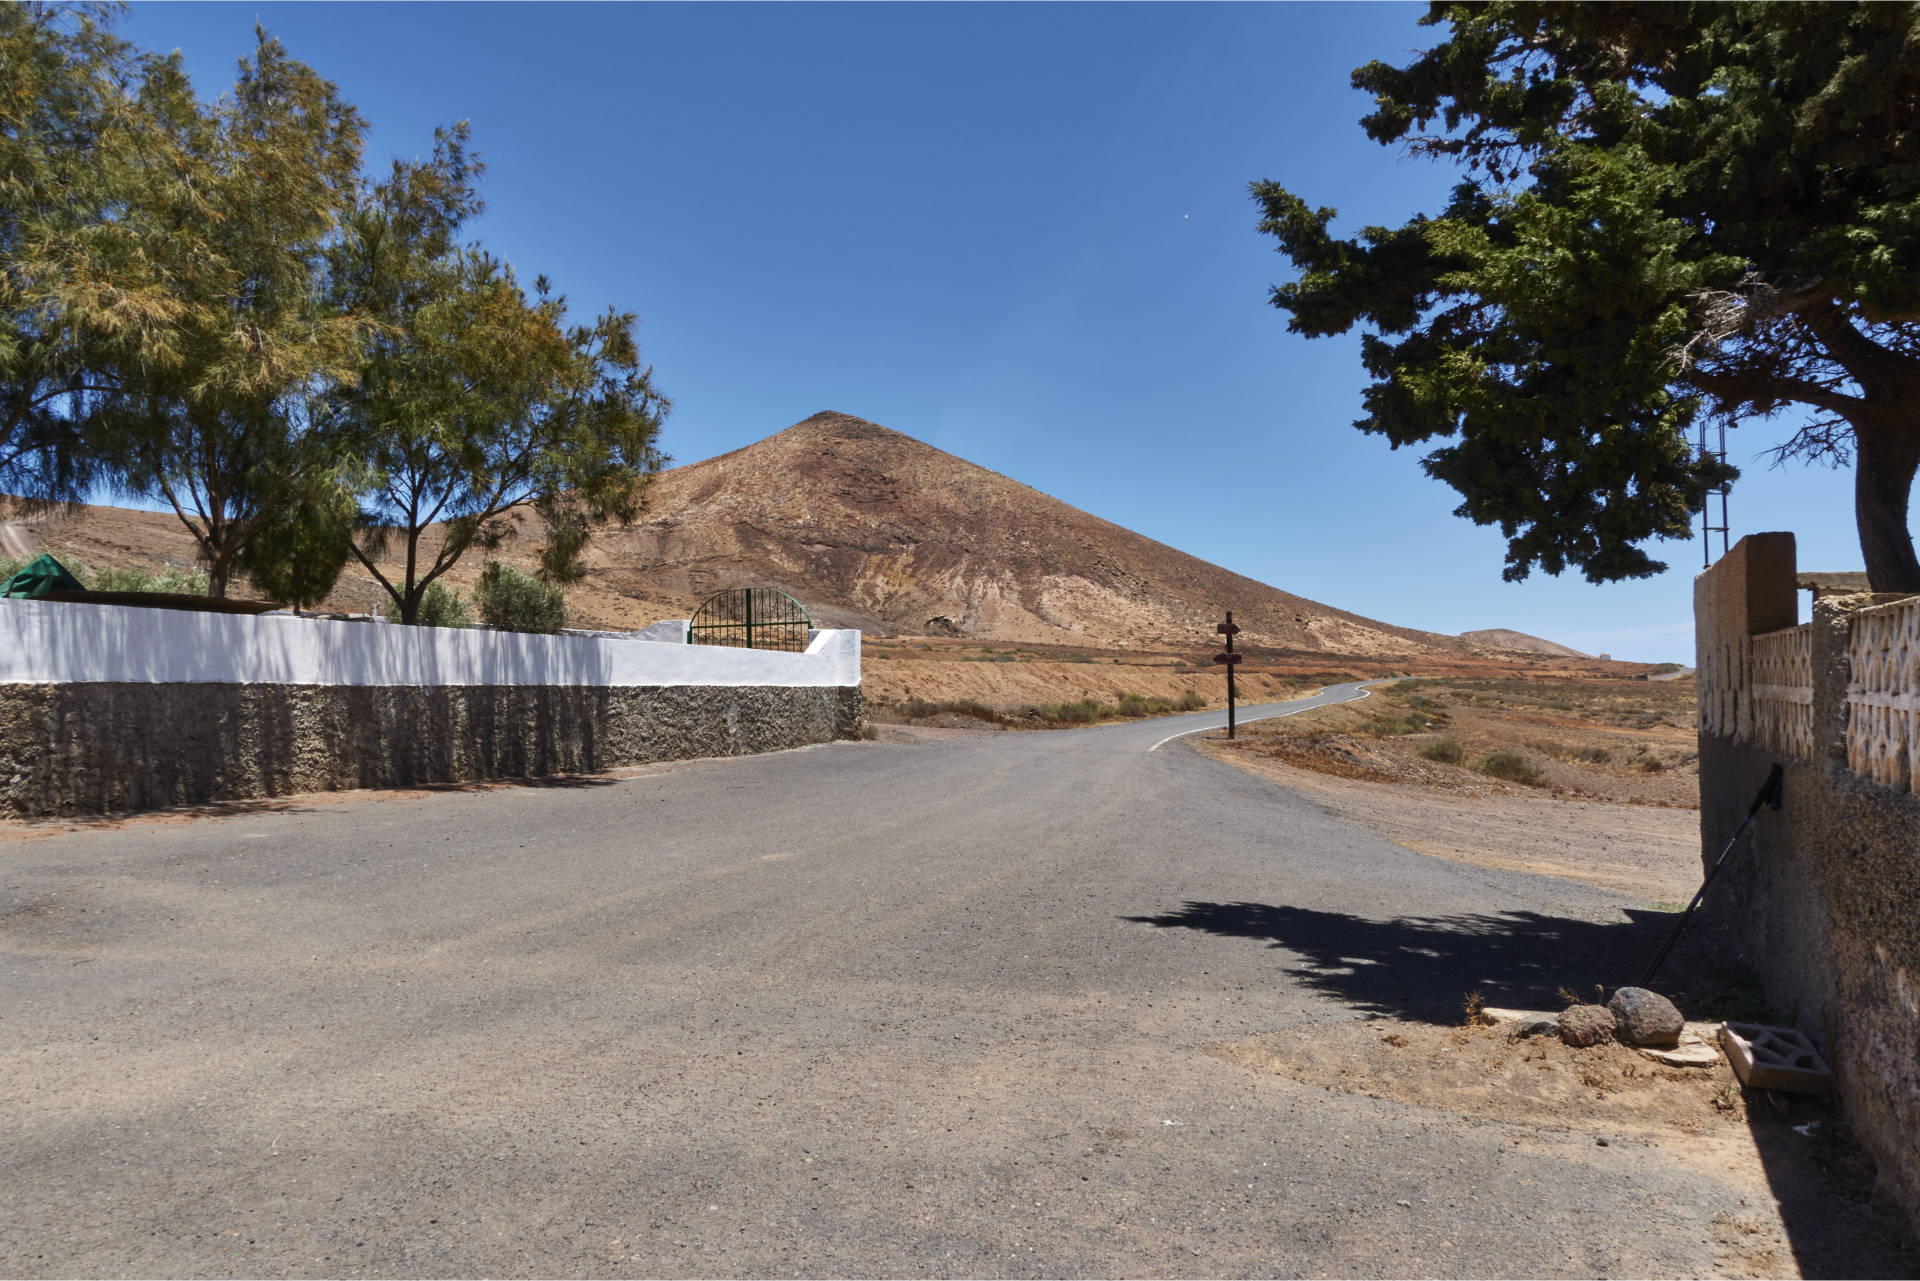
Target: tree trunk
<point>1883,475</point>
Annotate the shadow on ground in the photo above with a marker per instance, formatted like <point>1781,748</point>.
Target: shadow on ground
<point>1424,967</point>
<point>301,803</point>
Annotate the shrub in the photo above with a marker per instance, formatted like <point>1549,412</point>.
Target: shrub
<point>1154,705</point>
<point>171,578</point>
<point>1580,755</point>
<point>297,555</point>
<point>514,602</point>
<point>1511,766</point>
<point>915,709</point>
<point>438,608</point>
<point>1446,750</point>
<point>1084,712</point>
<point>1389,724</point>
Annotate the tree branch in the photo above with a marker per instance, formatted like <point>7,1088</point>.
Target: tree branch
<point>1738,388</point>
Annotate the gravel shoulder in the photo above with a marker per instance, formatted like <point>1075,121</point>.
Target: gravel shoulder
<point>1648,852</point>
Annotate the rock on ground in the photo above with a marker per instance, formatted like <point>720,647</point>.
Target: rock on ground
<point>1645,1018</point>
<point>1585,1024</point>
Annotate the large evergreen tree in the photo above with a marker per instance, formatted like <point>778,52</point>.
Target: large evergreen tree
<point>1667,211</point>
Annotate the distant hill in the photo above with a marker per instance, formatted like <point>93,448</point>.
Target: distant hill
<point>868,528</point>
<point>1501,638</point>
<point>872,527</point>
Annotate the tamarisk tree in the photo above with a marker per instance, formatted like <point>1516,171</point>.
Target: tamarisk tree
<point>77,295</point>
<point>471,399</point>
<point>239,201</point>
<point>1667,211</point>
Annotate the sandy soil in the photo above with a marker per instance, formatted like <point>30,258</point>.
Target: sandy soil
<point>1789,1155</point>
<point>1647,851</point>
<point>1572,735</point>
<point>958,677</point>
<point>1612,802</point>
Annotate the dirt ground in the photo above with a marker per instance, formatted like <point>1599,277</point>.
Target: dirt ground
<point>1788,1151</point>
<point>1596,811</point>
<point>1000,676</point>
<point>1647,851</point>
<point>1575,737</point>
<point>1003,676</point>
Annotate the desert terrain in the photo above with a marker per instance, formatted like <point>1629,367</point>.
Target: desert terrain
<point>870,528</point>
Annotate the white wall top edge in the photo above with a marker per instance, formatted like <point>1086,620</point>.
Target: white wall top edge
<point>47,642</point>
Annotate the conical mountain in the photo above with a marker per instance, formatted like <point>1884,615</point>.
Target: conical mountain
<point>870,527</point>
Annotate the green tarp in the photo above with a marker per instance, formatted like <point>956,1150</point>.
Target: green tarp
<point>41,575</point>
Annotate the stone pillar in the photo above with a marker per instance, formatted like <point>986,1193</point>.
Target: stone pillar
<point>1747,592</point>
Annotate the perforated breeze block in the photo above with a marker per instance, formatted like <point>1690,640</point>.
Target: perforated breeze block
<point>1775,1058</point>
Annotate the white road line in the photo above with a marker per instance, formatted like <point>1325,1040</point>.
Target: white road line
<point>1273,716</point>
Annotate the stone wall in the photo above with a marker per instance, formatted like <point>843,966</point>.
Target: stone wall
<point>88,748</point>
<point>1826,896</point>
<point>106,708</point>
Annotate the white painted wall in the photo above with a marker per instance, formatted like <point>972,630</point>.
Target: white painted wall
<point>673,630</point>
<point>44,642</point>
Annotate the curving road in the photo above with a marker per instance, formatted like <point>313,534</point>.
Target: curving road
<point>862,1009</point>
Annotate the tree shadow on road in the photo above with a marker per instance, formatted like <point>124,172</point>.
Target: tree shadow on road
<point>1423,967</point>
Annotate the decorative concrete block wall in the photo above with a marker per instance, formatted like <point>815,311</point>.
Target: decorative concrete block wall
<point>1827,896</point>
<point>106,708</point>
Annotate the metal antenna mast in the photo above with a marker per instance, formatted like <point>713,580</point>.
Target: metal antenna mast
<point>1707,528</point>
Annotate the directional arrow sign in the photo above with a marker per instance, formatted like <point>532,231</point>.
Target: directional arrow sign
<point>1228,629</point>
<point>1228,657</point>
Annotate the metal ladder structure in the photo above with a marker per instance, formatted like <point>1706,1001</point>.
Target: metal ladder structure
<point>1707,528</point>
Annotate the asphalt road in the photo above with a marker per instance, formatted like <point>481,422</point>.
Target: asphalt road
<point>859,1009</point>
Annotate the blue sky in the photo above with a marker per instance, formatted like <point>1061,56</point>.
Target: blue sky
<point>1019,233</point>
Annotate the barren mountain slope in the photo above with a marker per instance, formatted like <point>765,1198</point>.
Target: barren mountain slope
<point>868,528</point>
<point>1502,638</point>
<point>878,526</point>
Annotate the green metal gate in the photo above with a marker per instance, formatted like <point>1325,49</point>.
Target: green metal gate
<point>751,618</point>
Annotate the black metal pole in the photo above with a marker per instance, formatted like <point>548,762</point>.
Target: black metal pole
<point>1230,666</point>
<point>1769,795</point>
<point>1229,692</point>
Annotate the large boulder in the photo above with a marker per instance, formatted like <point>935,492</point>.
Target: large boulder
<point>1641,1017</point>
<point>1585,1024</point>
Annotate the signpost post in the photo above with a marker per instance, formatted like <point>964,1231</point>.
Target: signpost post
<point>1231,660</point>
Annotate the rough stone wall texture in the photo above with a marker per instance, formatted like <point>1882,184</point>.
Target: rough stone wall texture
<point>100,748</point>
<point>1825,894</point>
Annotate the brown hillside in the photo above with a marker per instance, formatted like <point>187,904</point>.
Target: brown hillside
<point>868,528</point>
<point>1502,638</point>
<point>881,530</point>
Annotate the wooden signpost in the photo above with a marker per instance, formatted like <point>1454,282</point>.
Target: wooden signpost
<point>1231,660</point>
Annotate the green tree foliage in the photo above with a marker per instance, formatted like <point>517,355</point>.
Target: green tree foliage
<point>240,200</point>
<point>1667,211</point>
<point>300,546</point>
<point>206,304</point>
<point>440,606</point>
<point>472,399</point>
<point>77,295</point>
<point>515,602</point>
